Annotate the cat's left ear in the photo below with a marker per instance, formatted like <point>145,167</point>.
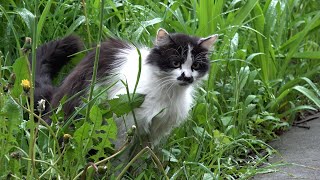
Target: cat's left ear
<point>162,37</point>
<point>208,42</point>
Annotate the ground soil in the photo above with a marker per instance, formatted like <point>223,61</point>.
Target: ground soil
<point>299,152</point>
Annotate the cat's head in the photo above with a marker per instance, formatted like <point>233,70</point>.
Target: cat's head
<point>181,59</point>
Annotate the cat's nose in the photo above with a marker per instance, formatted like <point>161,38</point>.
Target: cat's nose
<point>188,79</point>
<point>185,78</point>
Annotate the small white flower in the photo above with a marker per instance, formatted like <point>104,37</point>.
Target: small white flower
<point>41,105</point>
<point>131,132</point>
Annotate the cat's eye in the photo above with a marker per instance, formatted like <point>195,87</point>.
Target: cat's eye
<point>195,66</point>
<point>176,64</point>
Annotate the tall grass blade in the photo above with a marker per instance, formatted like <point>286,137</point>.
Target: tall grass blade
<point>43,17</point>
<point>80,20</point>
<point>13,29</point>
<point>307,55</point>
<point>27,17</point>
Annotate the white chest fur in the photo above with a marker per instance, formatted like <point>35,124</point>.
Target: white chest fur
<point>163,110</point>
<point>165,106</point>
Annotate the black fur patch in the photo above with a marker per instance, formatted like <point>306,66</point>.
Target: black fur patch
<point>79,78</point>
<point>50,58</point>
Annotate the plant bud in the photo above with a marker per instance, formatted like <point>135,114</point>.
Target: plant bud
<point>27,45</point>
<point>132,130</point>
<point>102,169</point>
<point>16,155</point>
<point>5,88</point>
<point>12,79</point>
<point>66,138</point>
<point>25,85</point>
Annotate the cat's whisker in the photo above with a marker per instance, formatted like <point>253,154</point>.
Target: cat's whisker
<point>169,89</point>
<point>201,59</point>
<point>170,98</point>
<point>203,54</point>
<point>163,79</point>
<point>165,83</point>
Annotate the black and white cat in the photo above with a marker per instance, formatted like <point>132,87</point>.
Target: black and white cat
<point>170,70</point>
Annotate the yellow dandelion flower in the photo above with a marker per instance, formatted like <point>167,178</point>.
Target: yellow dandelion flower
<point>25,83</point>
<point>66,138</point>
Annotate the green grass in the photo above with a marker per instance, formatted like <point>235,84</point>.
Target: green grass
<point>265,70</point>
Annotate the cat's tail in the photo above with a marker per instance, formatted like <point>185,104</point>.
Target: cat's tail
<point>50,58</point>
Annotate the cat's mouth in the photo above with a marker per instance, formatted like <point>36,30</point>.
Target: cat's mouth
<point>184,83</point>
<point>184,80</point>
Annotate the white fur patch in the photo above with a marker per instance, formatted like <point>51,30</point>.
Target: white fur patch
<point>186,66</point>
<point>166,103</point>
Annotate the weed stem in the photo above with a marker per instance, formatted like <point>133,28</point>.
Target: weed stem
<point>144,150</point>
<point>106,159</point>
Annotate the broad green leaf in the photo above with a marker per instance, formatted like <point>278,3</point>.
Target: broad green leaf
<point>249,99</point>
<point>168,156</point>
<point>121,105</point>
<point>111,130</point>
<point>105,133</point>
<point>221,137</point>
<point>226,120</point>
<point>201,132</point>
<point>102,136</point>
<point>21,70</point>
<point>82,133</point>
<point>95,115</point>
<point>200,112</point>
<point>247,110</point>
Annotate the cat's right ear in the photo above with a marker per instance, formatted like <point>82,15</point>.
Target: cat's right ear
<point>162,37</point>
<point>208,42</point>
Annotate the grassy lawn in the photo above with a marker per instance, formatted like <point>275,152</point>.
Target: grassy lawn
<point>264,71</point>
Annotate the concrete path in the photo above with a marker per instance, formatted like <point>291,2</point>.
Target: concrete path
<point>300,148</point>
